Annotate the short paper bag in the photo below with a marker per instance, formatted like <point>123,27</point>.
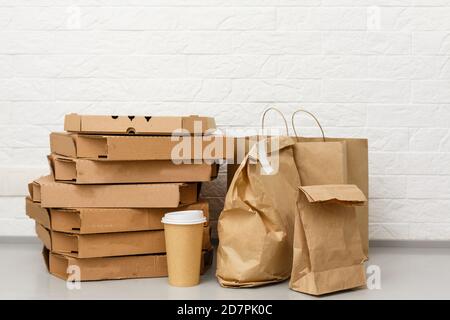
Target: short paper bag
<point>328,252</point>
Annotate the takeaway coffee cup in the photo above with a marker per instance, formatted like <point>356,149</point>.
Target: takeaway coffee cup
<point>184,236</point>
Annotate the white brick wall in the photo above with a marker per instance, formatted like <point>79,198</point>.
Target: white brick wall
<point>368,68</point>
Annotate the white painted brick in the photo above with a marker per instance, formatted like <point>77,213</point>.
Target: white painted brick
<point>344,42</point>
<point>409,163</point>
<point>15,180</point>
<point>6,15</point>
<point>127,89</point>
<point>213,90</point>
<point>428,163</point>
<point>207,43</point>
<point>409,211</point>
<point>130,18</point>
<point>338,132</point>
<point>323,18</point>
<point>229,19</point>
<point>427,139</point>
<point>405,115</point>
<point>322,66</point>
<point>341,18</point>
<point>329,115</point>
<point>26,89</point>
<point>37,112</point>
<point>109,66</point>
<point>39,18</point>
<point>401,67</point>
<point>275,90</point>
<point>76,42</point>
<point>386,91</point>
<point>387,139</point>
<point>25,157</point>
<point>424,91</point>
<point>389,231</point>
<point>445,144</point>
<point>387,187</point>
<point>25,136</point>
<point>17,227</point>
<point>6,67</point>
<point>428,187</point>
<point>277,43</point>
<point>431,42</point>
<point>38,66</point>
<point>430,231</point>
<point>443,67</point>
<point>12,207</point>
<point>29,42</point>
<point>230,60</point>
<point>428,3</point>
<point>232,66</point>
<point>361,42</point>
<point>388,163</point>
<point>297,19</point>
<point>416,18</point>
<point>293,3</point>
<point>350,3</point>
<point>390,211</point>
<point>388,43</point>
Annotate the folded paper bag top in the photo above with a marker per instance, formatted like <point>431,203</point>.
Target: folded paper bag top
<point>350,194</point>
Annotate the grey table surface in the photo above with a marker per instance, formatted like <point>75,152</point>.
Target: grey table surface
<point>406,273</point>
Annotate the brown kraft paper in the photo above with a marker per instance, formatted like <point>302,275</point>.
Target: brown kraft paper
<point>256,225</point>
<point>328,253</point>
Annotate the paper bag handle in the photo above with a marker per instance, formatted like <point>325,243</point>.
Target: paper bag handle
<point>263,118</point>
<point>310,114</point>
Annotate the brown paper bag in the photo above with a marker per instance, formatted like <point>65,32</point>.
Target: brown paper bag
<point>257,223</point>
<point>357,174</point>
<point>328,254</point>
<point>313,156</point>
<point>321,163</point>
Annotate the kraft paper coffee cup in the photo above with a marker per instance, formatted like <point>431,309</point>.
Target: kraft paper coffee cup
<point>184,236</point>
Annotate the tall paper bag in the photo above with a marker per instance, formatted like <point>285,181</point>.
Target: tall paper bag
<point>315,170</point>
<point>257,223</point>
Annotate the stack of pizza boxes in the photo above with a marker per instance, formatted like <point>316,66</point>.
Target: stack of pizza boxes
<point>112,179</point>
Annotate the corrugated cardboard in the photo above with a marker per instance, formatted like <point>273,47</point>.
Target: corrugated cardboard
<point>140,125</point>
<point>115,268</point>
<point>53,194</point>
<point>108,244</point>
<point>98,220</point>
<point>140,147</point>
<point>82,171</point>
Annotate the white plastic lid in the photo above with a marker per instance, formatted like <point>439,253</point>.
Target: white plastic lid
<point>184,217</point>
